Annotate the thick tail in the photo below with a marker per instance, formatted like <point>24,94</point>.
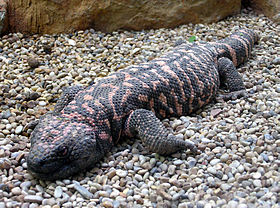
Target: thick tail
<point>238,46</point>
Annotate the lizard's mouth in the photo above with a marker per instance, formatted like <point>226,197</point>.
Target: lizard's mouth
<point>56,170</point>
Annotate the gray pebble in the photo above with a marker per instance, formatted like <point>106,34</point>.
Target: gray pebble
<point>58,192</point>
<point>83,191</point>
<point>33,198</point>
<point>121,173</point>
<point>50,201</point>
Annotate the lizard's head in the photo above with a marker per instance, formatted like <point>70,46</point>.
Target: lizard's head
<point>61,148</point>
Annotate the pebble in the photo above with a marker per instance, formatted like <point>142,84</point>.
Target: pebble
<point>83,191</point>
<point>49,202</point>
<point>33,198</point>
<point>224,158</point>
<point>121,173</point>
<point>237,165</point>
<point>33,62</point>
<point>16,191</point>
<point>19,129</point>
<point>58,192</point>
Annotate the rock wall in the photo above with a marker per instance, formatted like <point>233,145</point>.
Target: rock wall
<point>57,16</point>
<point>270,8</point>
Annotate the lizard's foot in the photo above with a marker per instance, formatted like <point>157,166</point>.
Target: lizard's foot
<point>191,146</point>
<point>232,95</point>
<point>180,144</point>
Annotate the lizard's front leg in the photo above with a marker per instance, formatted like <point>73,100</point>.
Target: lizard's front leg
<point>145,125</point>
<point>67,96</point>
<point>230,76</point>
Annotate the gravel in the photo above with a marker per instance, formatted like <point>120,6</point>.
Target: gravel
<point>238,139</point>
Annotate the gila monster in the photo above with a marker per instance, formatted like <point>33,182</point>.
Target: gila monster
<point>87,122</point>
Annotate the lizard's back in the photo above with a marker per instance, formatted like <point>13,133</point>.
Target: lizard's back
<point>173,85</point>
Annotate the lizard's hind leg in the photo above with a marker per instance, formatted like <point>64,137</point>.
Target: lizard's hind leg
<point>145,125</point>
<point>231,78</point>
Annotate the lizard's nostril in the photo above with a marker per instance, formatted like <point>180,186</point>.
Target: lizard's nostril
<point>38,161</point>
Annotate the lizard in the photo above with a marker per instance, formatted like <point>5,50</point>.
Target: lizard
<point>88,121</point>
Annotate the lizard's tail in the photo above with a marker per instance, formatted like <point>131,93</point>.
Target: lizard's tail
<point>238,46</point>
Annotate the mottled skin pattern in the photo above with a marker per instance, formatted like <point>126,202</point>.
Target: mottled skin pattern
<point>87,122</point>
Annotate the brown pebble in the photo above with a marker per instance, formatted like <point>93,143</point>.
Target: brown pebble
<point>20,156</point>
<point>5,164</point>
<point>260,142</point>
<point>33,62</point>
<point>201,147</point>
<point>165,195</point>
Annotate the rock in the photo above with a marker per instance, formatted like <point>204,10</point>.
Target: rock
<point>33,62</point>
<point>58,192</point>
<point>33,198</point>
<point>19,129</point>
<point>276,61</point>
<point>121,173</point>
<point>224,157</point>
<point>216,112</point>
<point>270,8</point>
<point>40,16</point>
<point>5,163</point>
<point>50,202</point>
<point>16,191</point>
<point>83,191</point>
<point>3,15</point>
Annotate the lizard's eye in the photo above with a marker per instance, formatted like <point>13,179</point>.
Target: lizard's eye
<point>62,151</point>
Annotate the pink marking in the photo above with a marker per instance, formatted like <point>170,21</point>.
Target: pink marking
<point>126,131</point>
<point>57,139</point>
<point>127,84</point>
<point>54,122</point>
<point>152,104</point>
<point>110,98</point>
<point>88,97</point>
<point>155,84</point>
<point>191,97</point>
<point>174,75</point>
<point>126,96</point>
<point>146,66</point>
<point>104,136</point>
<point>145,75</point>
<point>73,115</point>
<point>91,121</point>
<point>200,102</point>
<point>252,37</point>
<point>232,54</point>
<point>164,59</point>
<point>107,122</point>
<point>144,85</point>
<point>201,70</point>
<point>88,109</point>
<point>54,131</point>
<point>143,98</point>
<point>161,63</point>
<point>183,50</point>
<point>163,99</point>
<point>112,76</point>
<point>127,76</point>
<point>177,104</point>
<point>133,69</point>
<point>163,79</point>
<point>73,102</point>
<point>199,83</point>
<point>73,107</point>
<point>244,44</point>
<point>66,130</point>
